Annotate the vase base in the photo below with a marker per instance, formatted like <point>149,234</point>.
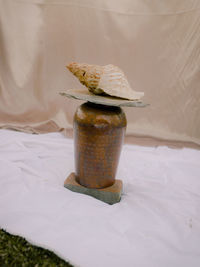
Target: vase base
<point>110,195</point>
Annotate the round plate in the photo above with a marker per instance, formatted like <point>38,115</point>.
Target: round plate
<point>84,94</point>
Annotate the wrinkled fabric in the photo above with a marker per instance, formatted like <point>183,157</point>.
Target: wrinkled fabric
<point>156,43</point>
<point>157,222</point>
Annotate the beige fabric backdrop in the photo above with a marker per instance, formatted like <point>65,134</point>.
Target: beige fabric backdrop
<point>156,43</point>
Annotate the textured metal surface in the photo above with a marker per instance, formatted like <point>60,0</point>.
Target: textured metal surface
<point>98,136</point>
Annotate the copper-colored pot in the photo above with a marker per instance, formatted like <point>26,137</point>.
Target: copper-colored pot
<point>98,137</point>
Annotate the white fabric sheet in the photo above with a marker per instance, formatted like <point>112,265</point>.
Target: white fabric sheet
<point>157,222</point>
<point>155,42</point>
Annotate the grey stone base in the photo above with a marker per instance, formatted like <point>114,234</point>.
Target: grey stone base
<point>110,195</point>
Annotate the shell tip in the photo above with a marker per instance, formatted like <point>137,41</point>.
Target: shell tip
<point>71,66</point>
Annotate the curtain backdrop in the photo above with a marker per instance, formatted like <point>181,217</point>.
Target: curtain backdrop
<point>156,43</point>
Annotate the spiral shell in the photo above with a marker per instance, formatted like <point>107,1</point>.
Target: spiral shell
<point>107,80</point>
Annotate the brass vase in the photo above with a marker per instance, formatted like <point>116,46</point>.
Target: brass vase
<point>98,137</point>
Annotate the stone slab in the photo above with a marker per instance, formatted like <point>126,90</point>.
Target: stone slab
<point>84,94</point>
<point>110,195</point>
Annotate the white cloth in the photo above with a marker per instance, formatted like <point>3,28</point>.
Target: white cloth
<point>157,222</point>
<point>155,42</point>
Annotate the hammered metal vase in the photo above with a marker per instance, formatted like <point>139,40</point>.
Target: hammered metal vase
<point>98,137</point>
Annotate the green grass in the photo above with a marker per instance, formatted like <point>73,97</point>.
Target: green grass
<point>16,251</point>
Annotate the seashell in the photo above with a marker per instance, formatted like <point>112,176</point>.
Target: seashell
<point>104,80</point>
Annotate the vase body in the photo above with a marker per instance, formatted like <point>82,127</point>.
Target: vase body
<point>98,137</point>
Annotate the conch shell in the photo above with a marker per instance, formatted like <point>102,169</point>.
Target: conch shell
<point>104,80</point>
